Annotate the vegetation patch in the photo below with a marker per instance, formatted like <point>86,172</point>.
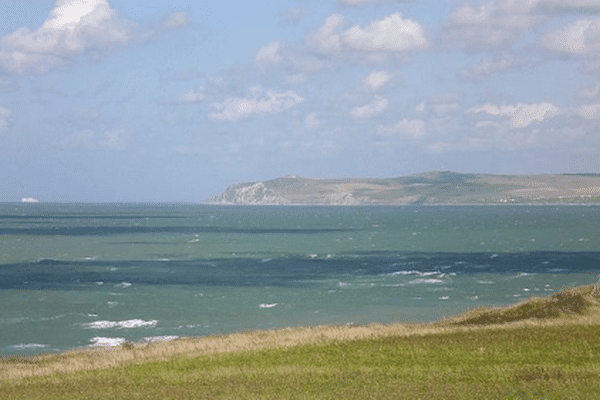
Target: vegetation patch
<point>501,356</point>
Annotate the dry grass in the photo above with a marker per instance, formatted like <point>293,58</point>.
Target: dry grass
<point>579,305</point>
<point>571,303</point>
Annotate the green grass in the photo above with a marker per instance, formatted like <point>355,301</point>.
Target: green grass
<point>544,348</point>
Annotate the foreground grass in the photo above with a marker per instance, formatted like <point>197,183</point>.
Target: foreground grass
<point>539,348</point>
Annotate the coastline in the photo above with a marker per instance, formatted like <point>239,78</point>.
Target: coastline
<point>540,348</point>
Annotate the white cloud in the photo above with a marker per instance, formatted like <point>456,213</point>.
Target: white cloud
<point>359,3</point>
<point>5,114</point>
<point>590,92</point>
<point>390,34</point>
<point>489,67</point>
<point>312,121</point>
<point>269,54</point>
<point>193,96</point>
<point>376,80</point>
<point>521,115</point>
<point>491,24</point>
<point>294,16</point>
<point>235,108</point>
<point>370,110</point>
<point>72,28</point>
<point>580,37</point>
<point>567,6</point>
<point>487,124</point>
<point>589,111</point>
<point>327,39</point>
<point>114,139</point>
<point>296,79</point>
<point>414,129</point>
<point>501,23</point>
<point>177,20</point>
<point>421,107</point>
<point>87,139</point>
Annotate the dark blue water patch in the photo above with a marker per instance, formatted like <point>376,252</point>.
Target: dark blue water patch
<point>467,263</point>
<point>76,217</point>
<point>132,230</point>
<point>283,271</point>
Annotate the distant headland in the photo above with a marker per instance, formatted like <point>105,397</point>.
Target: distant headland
<point>436,187</point>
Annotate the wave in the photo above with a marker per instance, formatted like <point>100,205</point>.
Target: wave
<point>426,281</point>
<point>27,346</point>
<point>130,323</point>
<point>106,341</point>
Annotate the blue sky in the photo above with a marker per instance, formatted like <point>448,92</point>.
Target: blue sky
<point>137,101</point>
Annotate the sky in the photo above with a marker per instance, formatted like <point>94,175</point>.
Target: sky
<point>172,101</point>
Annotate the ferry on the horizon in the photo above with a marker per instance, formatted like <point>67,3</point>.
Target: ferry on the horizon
<point>29,200</point>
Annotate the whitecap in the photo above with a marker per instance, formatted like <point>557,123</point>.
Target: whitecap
<point>444,298</point>
<point>27,346</point>
<point>105,341</point>
<point>194,241</point>
<point>130,323</point>
<point>426,281</point>
<point>123,284</point>
<point>411,272</point>
<point>267,305</point>
<point>485,282</point>
<point>312,255</point>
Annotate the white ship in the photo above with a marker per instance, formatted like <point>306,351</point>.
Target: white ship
<point>29,200</point>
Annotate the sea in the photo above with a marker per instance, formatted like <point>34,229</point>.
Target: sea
<point>76,276</point>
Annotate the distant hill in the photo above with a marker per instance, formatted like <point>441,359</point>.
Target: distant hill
<point>437,187</point>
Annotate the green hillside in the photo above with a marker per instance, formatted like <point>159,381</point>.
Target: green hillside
<point>436,187</point>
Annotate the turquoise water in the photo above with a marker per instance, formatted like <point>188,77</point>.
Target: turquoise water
<point>81,275</point>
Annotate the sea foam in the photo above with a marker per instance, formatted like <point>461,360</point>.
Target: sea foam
<point>130,323</point>
<point>105,341</point>
<point>27,346</point>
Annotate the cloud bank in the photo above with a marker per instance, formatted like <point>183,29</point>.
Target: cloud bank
<point>72,28</point>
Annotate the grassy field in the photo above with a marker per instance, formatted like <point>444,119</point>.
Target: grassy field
<point>541,348</point>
